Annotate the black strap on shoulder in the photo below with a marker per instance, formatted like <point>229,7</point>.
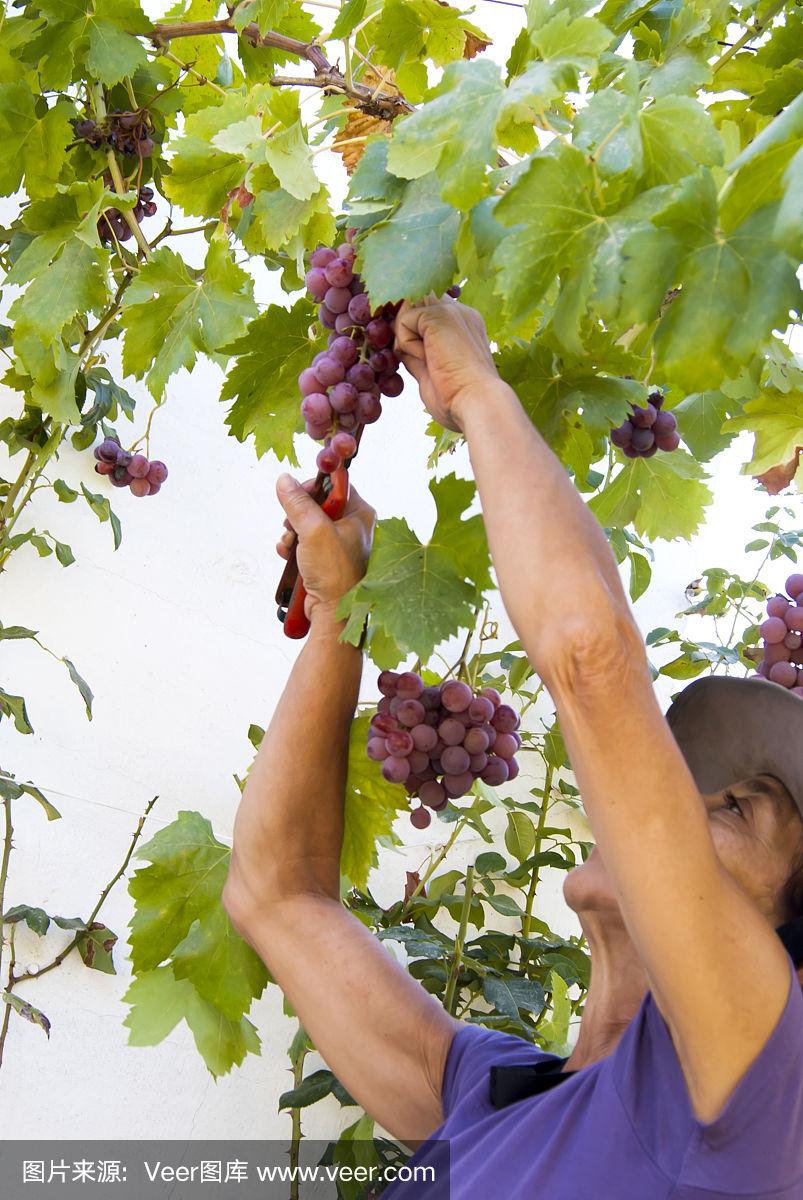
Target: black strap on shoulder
<point>791,934</point>
<point>510,1084</point>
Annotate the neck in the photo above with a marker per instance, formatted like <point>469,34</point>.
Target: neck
<point>618,986</point>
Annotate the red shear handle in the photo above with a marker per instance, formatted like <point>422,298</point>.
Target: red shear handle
<point>296,623</point>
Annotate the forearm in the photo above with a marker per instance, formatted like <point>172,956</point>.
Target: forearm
<point>289,827</point>
<point>555,569</point>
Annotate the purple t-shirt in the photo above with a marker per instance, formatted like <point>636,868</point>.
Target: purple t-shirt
<point>623,1128</point>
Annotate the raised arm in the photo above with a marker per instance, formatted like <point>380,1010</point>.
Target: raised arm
<point>383,1036</point>
<point>718,972</point>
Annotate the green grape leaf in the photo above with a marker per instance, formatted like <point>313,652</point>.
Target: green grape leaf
<point>776,419</point>
<point>173,313</point>
<point>265,13</point>
<point>113,51</point>
<point>263,383</point>
<point>411,253</point>
<point>82,685</point>
<point>350,15</point>
<point>564,36</point>
<point>290,157</point>
<point>74,283</point>
<point>202,175</point>
<point>701,416</point>
<point>553,1032</point>
<point>159,1001</point>
<point>222,967</point>
<point>422,592</point>
<point>661,497</point>
<point>552,225</point>
<point>34,139</point>
<point>372,805</point>
<point>14,707</point>
<point>12,789</point>
<point>275,220</point>
<point>678,137</point>
<point>103,511</point>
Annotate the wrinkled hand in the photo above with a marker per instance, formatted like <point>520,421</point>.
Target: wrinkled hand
<point>444,346</point>
<point>332,555</point>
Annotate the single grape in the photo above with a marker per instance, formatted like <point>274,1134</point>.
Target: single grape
<point>456,695</point>
<point>385,723</point>
<point>621,435</point>
<point>505,719</point>
<point>455,760</point>
<point>347,422</point>
<point>150,209</point>
<point>104,468</point>
<point>792,641</point>
<point>477,763</point>
<point>409,686</point>
<point>322,256</point>
<point>107,451</point>
<point>433,794</point>
<point>664,424</point>
<point>454,291</point>
<point>361,376</point>
<point>630,452</point>
<point>139,467</point>
<point>777,606</point>
<point>316,432</point>
<point>316,409</point>
<point>492,695</point>
<point>476,741</point>
<point>505,745</point>
<point>643,440</point>
<point>120,477</point>
<point>380,362</point>
<point>317,283</point>
<point>656,399</point>
<point>344,445</point>
<point>399,743</point>
<point>327,460</point>
<point>512,769</point>
<point>667,441</point>
<point>481,709</point>
<point>794,585</point>
<point>492,734</point>
<point>376,749</point>
<point>379,333</point>
<point>343,397</point>
<point>338,274</point>
<point>452,731</point>
<point>123,457</point>
<point>345,250</point>
<point>411,713</point>
<point>369,409</point>
<point>395,770</point>
<point>424,736</point>
<point>458,785</point>
<point>391,385</point>
<point>155,487</point>
<point>337,300</point>
<point>644,418</point>
<point>326,316</point>
<point>774,629</point>
<point>496,773</point>
<point>346,327</point>
<point>359,309</point>
<point>140,487</point>
<point>330,371</point>
<point>387,682</point>
<point>419,762</point>
<point>157,472</point>
<point>145,147</point>
<point>793,619</point>
<point>345,351</point>
<point>784,673</point>
<point>308,382</point>
<point>420,818</point>
<point>776,652</point>
<point>431,697</point>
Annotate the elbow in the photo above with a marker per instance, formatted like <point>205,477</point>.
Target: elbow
<point>594,652</point>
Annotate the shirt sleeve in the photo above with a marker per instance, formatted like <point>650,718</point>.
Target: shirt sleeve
<point>474,1050</point>
<point>755,1145</point>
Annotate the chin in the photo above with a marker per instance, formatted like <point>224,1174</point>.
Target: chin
<point>587,888</point>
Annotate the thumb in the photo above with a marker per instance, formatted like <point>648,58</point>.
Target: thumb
<point>302,512</point>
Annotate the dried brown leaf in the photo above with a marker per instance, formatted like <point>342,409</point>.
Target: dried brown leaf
<point>779,477</point>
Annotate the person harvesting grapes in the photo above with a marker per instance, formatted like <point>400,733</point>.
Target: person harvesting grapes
<point>686,1080</point>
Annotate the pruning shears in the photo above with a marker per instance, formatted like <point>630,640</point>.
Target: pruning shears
<point>332,493</point>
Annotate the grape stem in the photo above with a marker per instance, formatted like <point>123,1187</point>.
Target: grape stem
<point>459,944</point>
<point>386,105</point>
<point>526,923</point>
<point>752,32</point>
<point>190,70</point>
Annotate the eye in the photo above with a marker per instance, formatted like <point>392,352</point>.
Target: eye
<point>732,803</point>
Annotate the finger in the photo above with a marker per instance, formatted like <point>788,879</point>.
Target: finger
<point>357,507</point>
<point>417,367</point>
<point>303,513</point>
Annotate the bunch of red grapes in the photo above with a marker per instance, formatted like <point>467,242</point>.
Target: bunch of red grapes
<point>124,469</point>
<point>647,430</point>
<point>127,132</point>
<point>782,634</point>
<point>113,226</point>
<point>437,740</point>
<point>341,388</point>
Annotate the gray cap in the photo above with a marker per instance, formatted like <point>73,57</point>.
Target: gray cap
<point>731,729</point>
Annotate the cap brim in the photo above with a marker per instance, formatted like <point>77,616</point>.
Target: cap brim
<point>732,729</point>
